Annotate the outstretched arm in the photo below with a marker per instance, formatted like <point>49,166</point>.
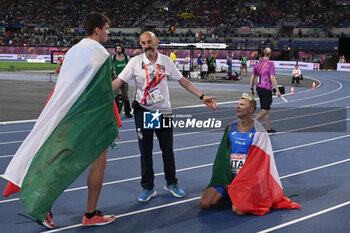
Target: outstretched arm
<point>207,100</point>
<point>116,83</point>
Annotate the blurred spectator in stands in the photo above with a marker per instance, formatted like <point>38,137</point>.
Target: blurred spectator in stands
<point>187,59</point>
<point>300,33</point>
<point>59,65</point>
<point>268,33</point>
<point>342,59</point>
<point>229,63</point>
<point>61,20</point>
<point>261,45</point>
<point>172,30</point>
<point>200,63</point>
<point>303,58</point>
<point>321,63</point>
<point>173,56</point>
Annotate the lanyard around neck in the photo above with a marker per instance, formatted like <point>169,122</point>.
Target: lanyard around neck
<point>147,75</point>
<point>263,67</point>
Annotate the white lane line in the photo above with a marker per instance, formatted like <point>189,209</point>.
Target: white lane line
<point>312,143</point>
<point>216,143</point>
<point>199,105</point>
<point>139,177</point>
<point>299,116</point>
<point>17,122</point>
<point>5,156</point>
<point>305,217</point>
<point>135,140</point>
<point>313,114</point>
<point>32,121</point>
<point>130,213</point>
<point>316,96</point>
<point>196,132</point>
<point>221,103</point>
<point>209,164</point>
<point>138,155</point>
<point>122,181</point>
<point>9,200</point>
<point>198,197</point>
<point>26,131</point>
<point>326,102</point>
<point>296,100</point>
<point>175,150</point>
<point>16,131</point>
<point>175,135</point>
<point>313,126</point>
<point>315,168</point>
<point>291,101</point>
<point>11,142</point>
<point>311,105</point>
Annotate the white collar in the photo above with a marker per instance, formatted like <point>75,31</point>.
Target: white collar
<point>147,61</point>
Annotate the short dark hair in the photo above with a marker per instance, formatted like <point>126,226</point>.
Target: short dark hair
<point>94,20</point>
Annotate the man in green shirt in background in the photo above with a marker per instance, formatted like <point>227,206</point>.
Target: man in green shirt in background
<point>244,60</point>
<point>120,59</point>
<point>211,62</point>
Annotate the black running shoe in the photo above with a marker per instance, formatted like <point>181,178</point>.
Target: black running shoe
<point>271,130</point>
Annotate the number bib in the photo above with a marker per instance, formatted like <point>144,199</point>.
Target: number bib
<point>237,161</point>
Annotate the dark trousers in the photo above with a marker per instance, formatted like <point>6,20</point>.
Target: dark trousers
<point>123,99</point>
<point>145,138</point>
<point>229,69</point>
<point>296,79</point>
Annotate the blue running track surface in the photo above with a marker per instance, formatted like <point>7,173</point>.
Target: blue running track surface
<point>311,152</point>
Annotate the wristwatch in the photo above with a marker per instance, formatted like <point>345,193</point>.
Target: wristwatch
<point>201,97</point>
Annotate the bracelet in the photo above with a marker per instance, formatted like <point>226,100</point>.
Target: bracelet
<point>201,97</point>
<point>251,88</point>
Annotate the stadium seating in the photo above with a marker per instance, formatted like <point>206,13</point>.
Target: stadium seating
<point>58,23</point>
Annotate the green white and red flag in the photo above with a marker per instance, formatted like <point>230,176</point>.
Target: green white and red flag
<point>77,124</point>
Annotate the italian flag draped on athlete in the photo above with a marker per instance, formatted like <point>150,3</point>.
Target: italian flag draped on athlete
<point>257,186</point>
<point>77,124</point>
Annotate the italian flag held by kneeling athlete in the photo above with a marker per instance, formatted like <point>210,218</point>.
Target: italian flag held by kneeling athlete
<point>257,186</point>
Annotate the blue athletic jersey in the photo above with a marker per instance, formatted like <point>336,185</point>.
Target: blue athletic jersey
<point>239,146</point>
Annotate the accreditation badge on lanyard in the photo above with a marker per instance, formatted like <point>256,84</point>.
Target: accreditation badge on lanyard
<point>154,94</point>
